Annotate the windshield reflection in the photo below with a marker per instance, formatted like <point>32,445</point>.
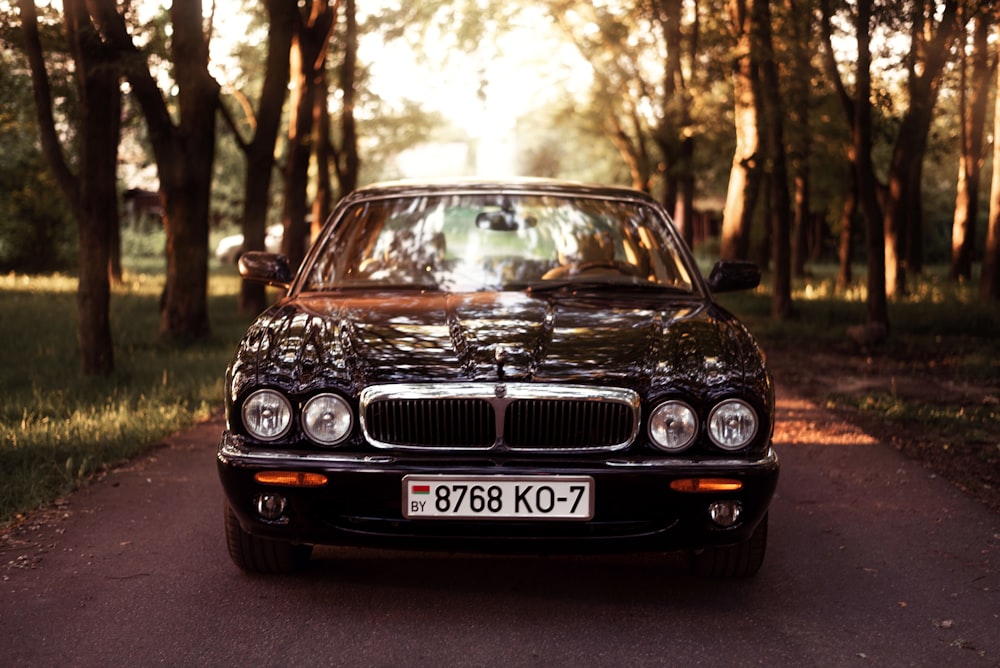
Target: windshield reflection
<point>469,243</point>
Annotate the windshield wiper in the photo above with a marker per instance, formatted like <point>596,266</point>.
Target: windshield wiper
<point>388,287</point>
<point>570,285</point>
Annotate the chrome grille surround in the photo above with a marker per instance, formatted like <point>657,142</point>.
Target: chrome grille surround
<point>504,417</point>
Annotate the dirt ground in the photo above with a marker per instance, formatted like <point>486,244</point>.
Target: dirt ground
<point>967,455</point>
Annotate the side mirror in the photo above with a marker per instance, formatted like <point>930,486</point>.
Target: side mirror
<point>268,268</point>
<point>732,275</point>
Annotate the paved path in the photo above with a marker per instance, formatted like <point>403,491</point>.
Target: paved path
<point>871,561</point>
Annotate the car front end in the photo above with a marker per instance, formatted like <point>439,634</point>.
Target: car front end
<point>583,409</point>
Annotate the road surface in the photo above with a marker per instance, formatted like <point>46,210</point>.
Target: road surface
<point>871,561</point>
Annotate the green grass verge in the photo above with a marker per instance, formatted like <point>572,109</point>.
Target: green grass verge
<point>935,319</point>
<point>58,427</point>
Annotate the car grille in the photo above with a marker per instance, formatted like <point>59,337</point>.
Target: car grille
<point>522,417</point>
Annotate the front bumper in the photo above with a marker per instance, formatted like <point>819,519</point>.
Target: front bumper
<point>361,502</point>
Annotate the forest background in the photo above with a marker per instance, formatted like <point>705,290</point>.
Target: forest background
<point>842,145</point>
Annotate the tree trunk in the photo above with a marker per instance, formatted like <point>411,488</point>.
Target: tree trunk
<point>800,146</point>
<point>100,109</point>
<point>184,157</point>
<point>186,179</point>
<point>746,172</point>
<point>989,282</point>
<point>903,225</point>
<point>771,129</point>
<point>323,198</point>
<point>973,100</point>
<point>349,164</point>
<point>260,151</point>
<point>92,195</point>
<point>878,308</point>
<point>675,136</point>
<point>308,62</point>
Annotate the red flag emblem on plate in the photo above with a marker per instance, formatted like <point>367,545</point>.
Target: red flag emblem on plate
<point>421,489</point>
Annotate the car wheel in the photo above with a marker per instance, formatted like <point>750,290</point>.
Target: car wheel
<point>254,554</point>
<point>734,561</point>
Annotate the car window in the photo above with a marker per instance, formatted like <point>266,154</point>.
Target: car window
<point>468,243</point>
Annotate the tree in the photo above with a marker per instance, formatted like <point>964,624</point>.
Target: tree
<point>800,78</point>
<point>345,158</point>
<point>313,29</point>
<point>972,103</point>
<point>184,150</point>
<point>771,129</point>
<point>989,282</point>
<point>259,151</point>
<point>746,172</point>
<point>676,133</point>
<point>92,192</point>
<point>878,308</point>
<point>930,44</point>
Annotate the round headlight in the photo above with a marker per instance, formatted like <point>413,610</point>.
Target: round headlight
<point>327,419</point>
<point>732,424</point>
<point>673,426</point>
<point>267,415</point>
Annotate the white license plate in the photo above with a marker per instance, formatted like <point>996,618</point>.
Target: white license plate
<point>498,497</point>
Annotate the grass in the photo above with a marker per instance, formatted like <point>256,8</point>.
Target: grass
<point>57,427</point>
<point>932,390</point>
<point>934,315</point>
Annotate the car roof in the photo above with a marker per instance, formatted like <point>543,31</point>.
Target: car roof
<point>480,185</point>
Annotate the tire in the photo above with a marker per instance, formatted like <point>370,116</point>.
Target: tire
<point>254,554</point>
<point>742,560</point>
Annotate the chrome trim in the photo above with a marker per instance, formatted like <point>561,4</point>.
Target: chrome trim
<point>768,460</point>
<point>232,449</point>
<point>499,396</point>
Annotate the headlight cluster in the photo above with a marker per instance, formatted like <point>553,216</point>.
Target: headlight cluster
<point>326,419</point>
<point>673,425</point>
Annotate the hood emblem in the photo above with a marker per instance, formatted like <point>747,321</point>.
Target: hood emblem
<point>500,355</point>
<point>500,391</point>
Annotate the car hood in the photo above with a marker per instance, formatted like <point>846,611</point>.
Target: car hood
<point>349,342</point>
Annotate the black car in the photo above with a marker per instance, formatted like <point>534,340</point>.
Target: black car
<point>498,365</point>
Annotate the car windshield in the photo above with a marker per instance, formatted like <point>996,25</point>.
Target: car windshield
<point>475,242</point>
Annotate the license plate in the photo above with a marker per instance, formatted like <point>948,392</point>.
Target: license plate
<point>498,497</point>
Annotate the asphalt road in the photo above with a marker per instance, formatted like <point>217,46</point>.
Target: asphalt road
<point>871,561</point>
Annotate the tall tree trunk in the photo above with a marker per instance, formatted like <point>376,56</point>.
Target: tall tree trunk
<point>184,156</point>
<point>260,150</point>
<point>100,109</point>
<point>349,160</point>
<point>771,129</point>
<point>800,146</point>
<point>308,63</point>
<point>878,308</point>
<point>973,100</point>
<point>323,198</point>
<point>903,224</point>
<point>847,103</point>
<point>745,174</point>
<point>92,195</point>
<point>675,136</point>
<point>989,282</point>
<point>186,179</point>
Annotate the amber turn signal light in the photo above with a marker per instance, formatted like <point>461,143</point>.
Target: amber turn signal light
<point>705,485</point>
<point>290,478</point>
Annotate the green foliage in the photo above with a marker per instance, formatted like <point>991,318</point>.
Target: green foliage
<point>36,231</point>
<point>57,427</point>
<point>565,140</point>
